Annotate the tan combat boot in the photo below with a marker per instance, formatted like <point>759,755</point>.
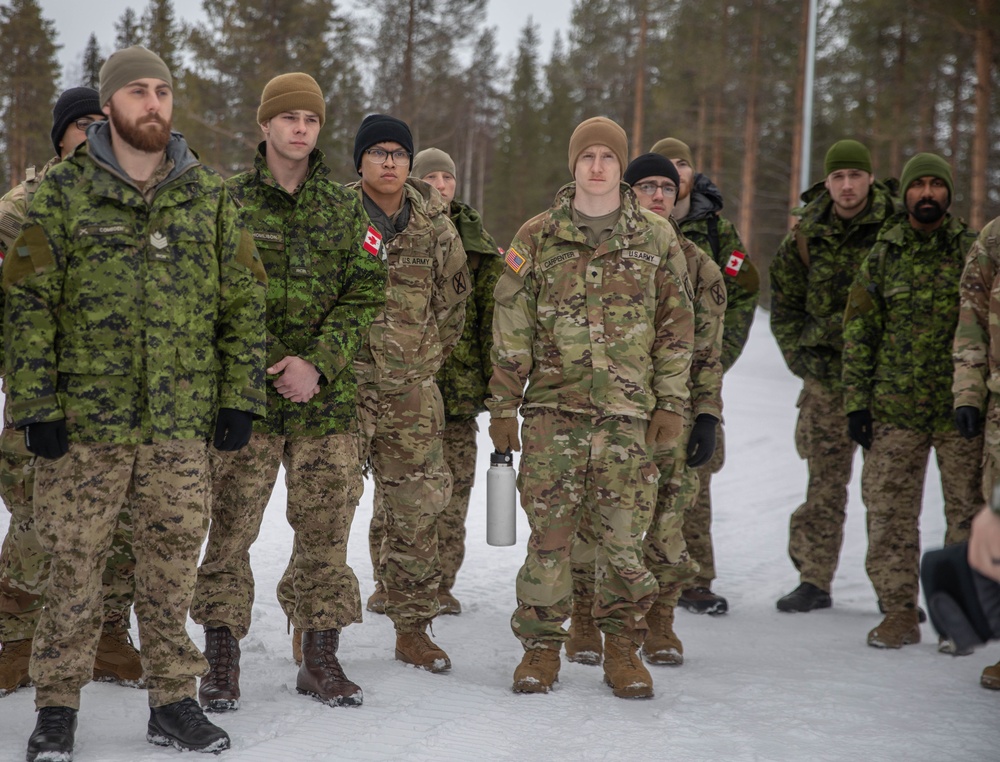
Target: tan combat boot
<point>117,659</point>
<point>624,670</point>
<point>415,647</point>
<point>297,646</point>
<point>584,645</point>
<point>538,670</point>
<point>662,646</point>
<point>898,629</point>
<point>377,600</point>
<point>448,603</point>
<point>14,657</point>
<point>321,675</point>
<point>991,677</point>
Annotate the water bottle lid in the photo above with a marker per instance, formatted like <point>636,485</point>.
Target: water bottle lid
<point>498,458</point>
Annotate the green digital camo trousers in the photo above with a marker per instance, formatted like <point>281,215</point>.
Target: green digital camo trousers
<point>401,443</point>
<point>664,548</point>
<point>573,465</point>
<point>892,487</point>
<point>816,530</point>
<point>24,566</point>
<point>318,590</point>
<point>698,514</point>
<point>77,501</point>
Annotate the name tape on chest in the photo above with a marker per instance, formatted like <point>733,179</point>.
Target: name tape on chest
<point>734,263</point>
<point>373,242</point>
<point>558,259</point>
<point>514,260</point>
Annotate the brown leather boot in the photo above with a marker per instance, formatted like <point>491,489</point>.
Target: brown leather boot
<point>624,670</point>
<point>220,688</point>
<point>297,646</point>
<point>321,675</point>
<point>538,670</point>
<point>448,603</point>
<point>662,646</point>
<point>377,600</point>
<point>584,645</point>
<point>14,657</point>
<point>898,629</point>
<point>415,647</point>
<point>117,660</point>
<point>991,677</point>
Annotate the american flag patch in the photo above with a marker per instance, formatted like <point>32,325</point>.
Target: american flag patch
<point>514,260</point>
<point>373,240</point>
<point>735,263</point>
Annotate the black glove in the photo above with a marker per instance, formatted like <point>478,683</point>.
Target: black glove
<point>967,421</point>
<point>701,443</point>
<point>232,429</point>
<point>859,426</point>
<point>48,439</point>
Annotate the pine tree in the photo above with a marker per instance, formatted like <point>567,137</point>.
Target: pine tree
<point>29,70</point>
<point>127,30</point>
<point>92,63</point>
<point>162,34</point>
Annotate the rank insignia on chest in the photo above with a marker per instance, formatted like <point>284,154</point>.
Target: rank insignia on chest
<point>514,260</point>
<point>735,263</point>
<point>157,240</point>
<point>373,242</point>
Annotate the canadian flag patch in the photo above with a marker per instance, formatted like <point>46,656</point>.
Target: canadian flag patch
<point>735,263</point>
<point>373,241</point>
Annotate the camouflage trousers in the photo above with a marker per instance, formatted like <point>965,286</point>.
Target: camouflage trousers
<point>77,502</point>
<point>318,590</point>
<point>698,514</point>
<point>991,446</point>
<point>401,443</point>
<point>816,529</point>
<point>664,547</point>
<point>574,466</point>
<point>892,486</point>
<point>24,566</point>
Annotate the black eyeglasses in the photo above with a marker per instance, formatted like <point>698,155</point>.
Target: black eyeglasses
<point>379,155</point>
<point>648,189</point>
<point>84,122</point>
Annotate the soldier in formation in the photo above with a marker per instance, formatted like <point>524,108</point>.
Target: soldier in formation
<point>134,336</point>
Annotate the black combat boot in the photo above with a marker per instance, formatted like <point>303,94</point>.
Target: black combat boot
<point>805,597</point>
<point>184,726</point>
<point>701,600</point>
<point>52,738</point>
<point>321,675</point>
<point>220,688</point>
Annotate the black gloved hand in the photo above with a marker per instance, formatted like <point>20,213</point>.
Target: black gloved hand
<point>701,443</point>
<point>967,421</point>
<point>48,439</point>
<point>232,429</point>
<point>859,426</point>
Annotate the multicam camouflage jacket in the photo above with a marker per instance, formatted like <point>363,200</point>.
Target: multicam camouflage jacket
<point>323,288</point>
<point>811,275</point>
<point>134,321</point>
<point>702,226</point>
<point>976,351</point>
<point>428,284</point>
<point>900,323</point>
<point>606,331</point>
<point>705,380</point>
<point>464,378</point>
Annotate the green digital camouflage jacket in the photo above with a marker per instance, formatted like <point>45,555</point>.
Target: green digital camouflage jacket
<point>134,321</point>
<point>709,313</point>
<point>976,352</point>
<point>739,273</point>
<point>323,288</point>
<point>900,323</point>
<point>464,378</point>
<point>811,275</point>
<point>607,331</point>
<point>428,284</point>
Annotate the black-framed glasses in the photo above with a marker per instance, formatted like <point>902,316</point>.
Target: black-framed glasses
<point>84,122</point>
<point>648,189</point>
<point>379,155</point>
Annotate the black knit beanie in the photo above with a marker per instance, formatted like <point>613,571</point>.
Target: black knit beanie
<point>380,128</point>
<point>73,104</point>
<point>651,165</point>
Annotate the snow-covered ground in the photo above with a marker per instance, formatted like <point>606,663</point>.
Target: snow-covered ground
<point>756,684</point>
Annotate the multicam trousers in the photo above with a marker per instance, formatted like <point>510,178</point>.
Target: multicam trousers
<point>77,502</point>
<point>573,465</point>
<point>318,590</point>
<point>892,485</point>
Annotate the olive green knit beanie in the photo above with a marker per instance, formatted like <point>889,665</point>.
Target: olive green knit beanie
<point>672,148</point>
<point>926,165</point>
<point>127,65</point>
<point>432,160</point>
<point>847,154</point>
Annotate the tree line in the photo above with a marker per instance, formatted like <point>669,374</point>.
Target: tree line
<point>725,76</point>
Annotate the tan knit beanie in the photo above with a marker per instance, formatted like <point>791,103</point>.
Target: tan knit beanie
<point>672,148</point>
<point>291,92</point>
<point>431,160</point>
<point>128,65</point>
<point>598,130</point>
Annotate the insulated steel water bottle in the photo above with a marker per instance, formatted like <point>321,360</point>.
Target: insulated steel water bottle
<point>501,490</point>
